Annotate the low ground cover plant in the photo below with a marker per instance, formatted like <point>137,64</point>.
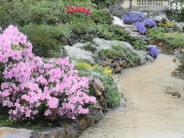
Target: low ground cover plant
<point>119,52</point>
<point>105,74</point>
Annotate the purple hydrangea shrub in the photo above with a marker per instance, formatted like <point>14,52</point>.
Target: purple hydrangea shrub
<point>133,17</point>
<point>141,28</point>
<point>150,23</point>
<point>153,51</point>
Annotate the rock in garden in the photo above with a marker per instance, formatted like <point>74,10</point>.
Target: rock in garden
<point>6,132</point>
<point>51,133</point>
<point>118,21</point>
<point>172,92</point>
<point>98,86</point>
<point>78,53</point>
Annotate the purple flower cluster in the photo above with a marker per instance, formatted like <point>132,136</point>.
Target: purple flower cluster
<point>133,17</point>
<point>141,28</point>
<point>153,51</point>
<point>150,23</point>
<point>34,88</point>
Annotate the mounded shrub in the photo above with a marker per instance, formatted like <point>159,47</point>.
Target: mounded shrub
<point>112,93</point>
<point>34,89</point>
<point>102,16</point>
<point>104,3</point>
<point>46,39</point>
<point>33,11</point>
<point>167,41</point>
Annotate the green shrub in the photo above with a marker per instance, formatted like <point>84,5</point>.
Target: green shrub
<point>13,12</point>
<point>104,3</point>
<point>46,12</point>
<point>101,16</point>
<point>112,94</point>
<point>177,15</point>
<point>46,38</point>
<point>22,12</point>
<point>171,41</point>
<point>119,52</point>
<point>110,53</point>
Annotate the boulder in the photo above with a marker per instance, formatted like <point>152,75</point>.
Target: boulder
<point>6,132</point>
<point>75,52</point>
<point>118,21</point>
<point>118,64</point>
<point>106,44</point>
<point>98,86</point>
<point>51,133</point>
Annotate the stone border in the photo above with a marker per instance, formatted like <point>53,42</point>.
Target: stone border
<point>67,129</point>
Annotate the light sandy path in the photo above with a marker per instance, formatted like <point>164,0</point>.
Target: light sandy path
<point>149,112</point>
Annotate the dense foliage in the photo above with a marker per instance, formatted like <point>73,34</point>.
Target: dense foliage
<point>177,15</point>
<point>169,40</point>
<point>52,24</point>
<point>104,3</point>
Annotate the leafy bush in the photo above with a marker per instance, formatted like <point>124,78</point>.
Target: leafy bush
<point>171,41</point>
<point>35,89</point>
<point>82,65</point>
<point>110,53</point>
<point>119,52</point>
<point>24,12</point>
<point>46,38</point>
<point>112,93</point>
<point>101,16</point>
<point>175,14</point>
<point>104,3</point>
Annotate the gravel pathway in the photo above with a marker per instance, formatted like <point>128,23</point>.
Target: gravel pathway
<point>149,111</point>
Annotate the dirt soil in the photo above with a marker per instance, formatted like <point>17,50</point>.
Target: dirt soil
<point>150,111</point>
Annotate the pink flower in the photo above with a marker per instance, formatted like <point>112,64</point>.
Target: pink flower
<point>31,84</point>
<point>53,103</point>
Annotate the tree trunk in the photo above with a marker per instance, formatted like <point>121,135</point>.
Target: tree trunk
<point>130,4</point>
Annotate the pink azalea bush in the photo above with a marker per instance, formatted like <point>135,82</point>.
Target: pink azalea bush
<point>33,88</point>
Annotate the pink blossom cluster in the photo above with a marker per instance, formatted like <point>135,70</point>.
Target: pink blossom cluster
<point>33,88</point>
